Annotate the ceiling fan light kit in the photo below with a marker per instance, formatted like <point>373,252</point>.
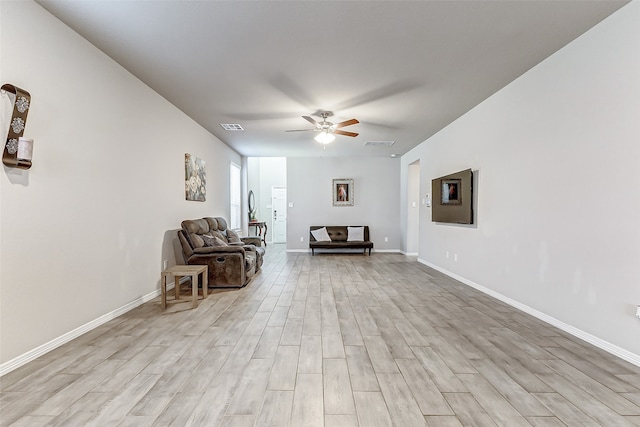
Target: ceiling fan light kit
<point>325,137</point>
<point>327,129</point>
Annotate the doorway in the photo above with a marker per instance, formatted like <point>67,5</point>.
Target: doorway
<point>413,208</point>
<point>279,214</point>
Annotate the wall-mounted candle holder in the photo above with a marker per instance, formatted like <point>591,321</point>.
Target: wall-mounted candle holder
<point>18,151</point>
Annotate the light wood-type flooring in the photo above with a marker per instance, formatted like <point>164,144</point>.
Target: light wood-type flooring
<point>333,340</point>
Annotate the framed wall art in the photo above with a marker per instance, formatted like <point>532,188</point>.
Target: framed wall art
<point>453,198</point>
<point>451,193</point>
<point>342,192</point>
<point>195,178</point>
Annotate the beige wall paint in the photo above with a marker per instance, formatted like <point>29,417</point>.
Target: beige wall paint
<point>555,156</point>
<point>85,230</point>
<point>376,198</point>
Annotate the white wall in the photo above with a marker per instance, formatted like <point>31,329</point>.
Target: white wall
<point>556,155</point>
<point>376,198</point>
<point>85,230</point>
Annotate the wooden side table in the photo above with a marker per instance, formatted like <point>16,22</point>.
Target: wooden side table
<point>178,271</point>
<point>261,230</point>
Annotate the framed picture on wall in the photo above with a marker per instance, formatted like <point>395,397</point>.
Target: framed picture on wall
<point>342,192</point>
<point>451,193</point>
<point>195,178</point>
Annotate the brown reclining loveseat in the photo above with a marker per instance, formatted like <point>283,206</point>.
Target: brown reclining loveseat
<point>232,260</point>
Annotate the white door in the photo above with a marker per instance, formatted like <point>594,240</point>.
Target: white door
<point>279,214</point>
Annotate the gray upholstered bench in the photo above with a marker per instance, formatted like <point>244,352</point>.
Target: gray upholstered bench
<point>339,239</point>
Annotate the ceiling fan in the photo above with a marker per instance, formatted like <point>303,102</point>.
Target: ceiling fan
<point>327,129</point>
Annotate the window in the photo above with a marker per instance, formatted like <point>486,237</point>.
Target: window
<point>234,197</point>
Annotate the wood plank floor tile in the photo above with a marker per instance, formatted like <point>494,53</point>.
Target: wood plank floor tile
<point>425,392</point>
<point>269,342</point>
<point>442,376</point>
<point>518,397</point>
<point>492,401</point>
<point>402,406</point>
<point>468,410</point>
<point>442,421</point>
<point>310,361</point>
<point>605,395</point>
<point>333,340</point>
<point>585,402</point>
<point>380,355</point>
<point>545,422</point>
<point>64,398</point>
<point>276,409</point>
<point>332,346</point>
<point>82,410</point>
<point>308,406</point>
<point>285,367</point>
<point>249,394</point>
<point>565,410</point>
<point>371,409</point>
<point>361,372</point>
<point>292,333</point>
<point>33,421</point>
<point>341,421</point>
<point>350,332</point>
<point>118,408</point>
<point>338,396</point>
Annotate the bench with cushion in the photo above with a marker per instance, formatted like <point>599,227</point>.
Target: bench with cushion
<point>339,237</point>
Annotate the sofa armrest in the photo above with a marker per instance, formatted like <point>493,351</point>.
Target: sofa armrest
<point>249,248</point>
<point>252,240</point>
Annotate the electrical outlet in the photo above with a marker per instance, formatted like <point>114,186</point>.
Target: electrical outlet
<point>386,239</point>
<point>165,264</point>
<point>638,312</point>
<point>455,257</point>
<point>447,254</point>
<point>302,239</point>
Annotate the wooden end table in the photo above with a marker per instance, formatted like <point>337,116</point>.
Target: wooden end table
<point>261,230</point>
<point>178,271</point>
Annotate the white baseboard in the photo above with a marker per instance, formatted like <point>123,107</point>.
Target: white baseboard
<point>27,357</point>
<point>591,339</point>
<point>409,253</point>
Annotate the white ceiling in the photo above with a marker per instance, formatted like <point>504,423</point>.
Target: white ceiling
<point>405,69</point>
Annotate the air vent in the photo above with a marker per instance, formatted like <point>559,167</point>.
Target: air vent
<point>231,126</point>
<point>379,143</point>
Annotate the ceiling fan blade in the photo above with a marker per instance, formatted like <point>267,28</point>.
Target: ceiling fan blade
<point>345,133</point>
<point>311,120</point>
<point>346,123</point>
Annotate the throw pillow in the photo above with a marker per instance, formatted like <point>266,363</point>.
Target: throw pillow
<point>212,241</point>
<point>232,236</point>
<point>355,234</point>
<point>321,235</point>
<point>219,235</point>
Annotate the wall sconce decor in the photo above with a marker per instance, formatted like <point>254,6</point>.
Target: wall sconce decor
<point>18,151</point>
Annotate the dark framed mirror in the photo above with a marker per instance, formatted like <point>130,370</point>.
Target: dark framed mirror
<point>252,206</point>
